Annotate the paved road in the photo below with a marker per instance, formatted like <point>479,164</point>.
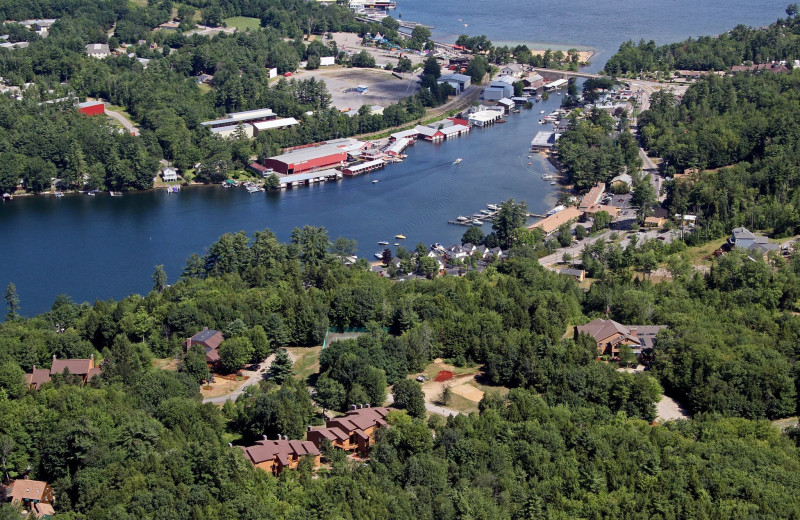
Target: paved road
<point>127,123</point>
<point>574,250</point>
<point>254,379</point>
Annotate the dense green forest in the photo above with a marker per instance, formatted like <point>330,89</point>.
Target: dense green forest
<point>591,154</point>
<point>780,41</point>
<point>567,441</point>
<point>747,125</point>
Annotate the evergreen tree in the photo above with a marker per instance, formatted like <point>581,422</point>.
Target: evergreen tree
<point>281,367</point>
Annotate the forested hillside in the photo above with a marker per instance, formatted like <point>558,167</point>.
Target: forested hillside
<point>745,128</point>
<point>780,41</point>
<point>567,441</point>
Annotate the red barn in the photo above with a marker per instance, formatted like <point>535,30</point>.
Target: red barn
<point>92,108</point>
<point>308,159</point>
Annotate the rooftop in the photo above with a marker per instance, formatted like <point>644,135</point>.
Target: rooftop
<point>308,153</point>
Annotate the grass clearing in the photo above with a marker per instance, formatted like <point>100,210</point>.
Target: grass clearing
<point>243,23</point>
<point>306,361</point>
<point>169,363</point>
<point>221,387</point>
<point>137,3</point>
<point>461,404</point>
<point>697,255</point>
<point>204,89</point>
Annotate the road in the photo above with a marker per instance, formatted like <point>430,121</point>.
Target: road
<point>124,121</point>
<point>432,408</point>
<point>253,379</point>
<point>574,250</point>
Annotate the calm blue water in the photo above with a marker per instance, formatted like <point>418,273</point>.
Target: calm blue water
<point>103,247</point>
<point>601,25</point>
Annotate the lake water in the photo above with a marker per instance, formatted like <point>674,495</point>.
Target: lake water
<point>597,24</point>
<point>103,247</point>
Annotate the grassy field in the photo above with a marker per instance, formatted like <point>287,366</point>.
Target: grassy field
<point>697,255</point>
<point>137,3</point>
<point>307,361</point>
<point>243,23</point>
<point>205,89</point>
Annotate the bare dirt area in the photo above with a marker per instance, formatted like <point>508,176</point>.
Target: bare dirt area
<point>465,385</point>
<point>382,87</point>
<point>669,410</point>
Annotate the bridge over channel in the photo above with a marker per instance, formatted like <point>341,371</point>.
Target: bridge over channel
<point>564,74</point>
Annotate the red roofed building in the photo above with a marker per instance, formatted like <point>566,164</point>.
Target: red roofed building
<point>210,340</point>
<point>92,108</point>
<point>276,456</point>
<point>83,368</point>
<point>353,432</point>
<point>32,495</point>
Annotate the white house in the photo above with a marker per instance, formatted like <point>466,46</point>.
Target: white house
<point>169,174</point>
<point>98,50</point>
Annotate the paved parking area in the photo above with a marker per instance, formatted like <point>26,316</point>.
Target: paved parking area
<point>383,88</point>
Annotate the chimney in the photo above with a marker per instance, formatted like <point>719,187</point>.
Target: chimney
<point>352,406</point>
<point>230,445</point>
<point>205,328</point>
<point>264,437</point>
<point>360,406</point>
<point>308,428</point>
<point>54,357</point>
<point>366,405</point>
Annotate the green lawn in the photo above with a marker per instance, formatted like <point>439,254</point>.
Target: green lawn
<point>243,23</point>
<point>307,361</point>
<point>205,89</point>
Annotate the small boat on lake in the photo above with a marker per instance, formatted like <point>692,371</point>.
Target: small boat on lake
<point>477,222</point>
<point>397,244</point>
<point>379,255</point>
<point>400,237</point>
<point>59,194</point>
<point>457,161</point>
<point>462,218</point>
<point>383,243</point>
<point>115,193</point>
<point>492,207</point>
<point>374,181</point>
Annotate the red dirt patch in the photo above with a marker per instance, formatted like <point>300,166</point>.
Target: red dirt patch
<point>443,375</point>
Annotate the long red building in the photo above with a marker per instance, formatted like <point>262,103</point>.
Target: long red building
<point>307,159</point>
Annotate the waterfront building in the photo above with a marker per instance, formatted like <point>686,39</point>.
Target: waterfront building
<point>308,159</point>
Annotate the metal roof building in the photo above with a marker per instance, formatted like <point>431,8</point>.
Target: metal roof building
<point>307,159</point>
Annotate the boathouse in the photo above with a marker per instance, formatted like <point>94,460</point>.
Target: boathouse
<point>366,167</point>
<point>484,117</point>
<point>307,159</point>
<point>544,140</point>
<point>454,131</point>
<point>397,147</point>
<point>429,134</point>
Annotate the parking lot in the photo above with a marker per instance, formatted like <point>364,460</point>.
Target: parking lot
<point>382,87</point>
